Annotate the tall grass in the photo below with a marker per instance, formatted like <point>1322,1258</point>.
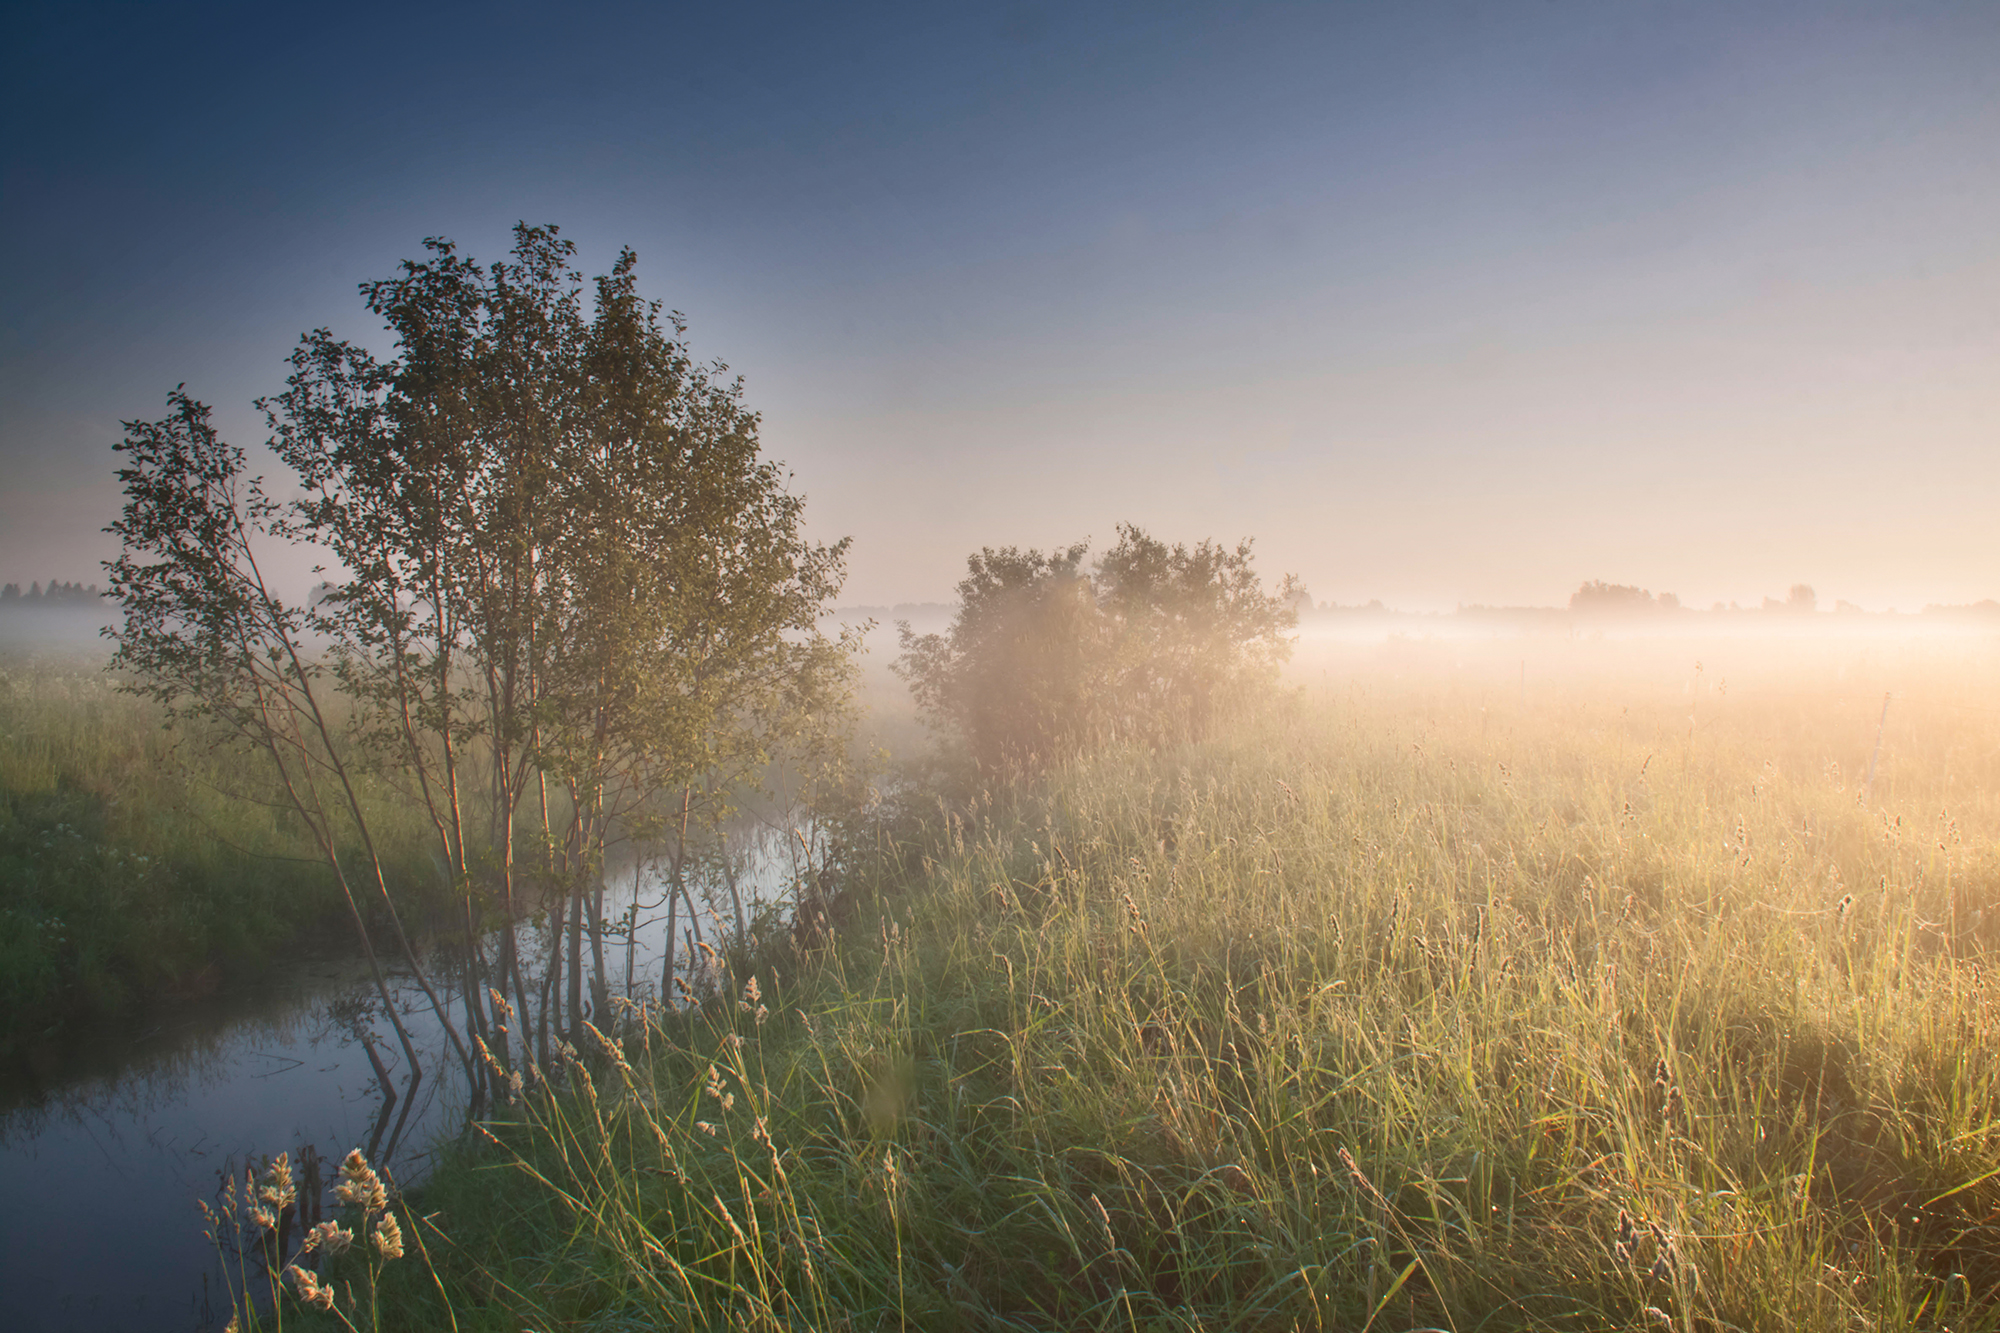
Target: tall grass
<point>135,862</point>
<point>1404,1007</point>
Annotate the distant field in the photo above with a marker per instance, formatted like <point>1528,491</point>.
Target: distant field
<point>138,864</point>
<point>66,629</point>
<point>1506,984</point>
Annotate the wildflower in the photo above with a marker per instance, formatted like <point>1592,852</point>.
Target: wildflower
<point>389,1237</point>
<point>311,1290</point>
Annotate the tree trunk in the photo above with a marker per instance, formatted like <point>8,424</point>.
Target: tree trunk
<point>575,913</point>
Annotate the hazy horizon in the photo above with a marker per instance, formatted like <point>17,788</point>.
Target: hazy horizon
<point>1442,304</point>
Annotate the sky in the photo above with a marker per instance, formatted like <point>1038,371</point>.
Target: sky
<point>1440,303</point>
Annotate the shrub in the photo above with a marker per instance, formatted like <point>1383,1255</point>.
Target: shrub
<point>1043,660</point>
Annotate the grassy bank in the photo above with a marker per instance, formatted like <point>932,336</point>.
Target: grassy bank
<point>1405,1008</point>
<point>137,864</point>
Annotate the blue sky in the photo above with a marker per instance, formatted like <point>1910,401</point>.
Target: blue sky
<point>1440,303</point>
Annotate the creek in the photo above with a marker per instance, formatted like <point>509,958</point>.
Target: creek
<point>108,1141</point>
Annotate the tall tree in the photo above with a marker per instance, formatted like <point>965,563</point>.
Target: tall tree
<point>206,634</point>
<point>568,595</point>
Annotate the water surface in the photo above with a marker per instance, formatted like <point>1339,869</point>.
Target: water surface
<point>108,1141</point>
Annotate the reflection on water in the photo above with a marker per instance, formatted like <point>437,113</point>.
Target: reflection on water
<point>100,1174</point>
<point>108,1142</point>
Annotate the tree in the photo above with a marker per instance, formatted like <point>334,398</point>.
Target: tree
<point>1193,628</point>
<point>1042,659</point>
<point>1022,673</point>
<point>1611,599</point>
<point>210,639</point>
<point>570,592</point>
<point>1800,600</point>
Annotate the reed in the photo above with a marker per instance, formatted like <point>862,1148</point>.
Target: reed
<point>1402,1007</point>
<point>254,1228</point>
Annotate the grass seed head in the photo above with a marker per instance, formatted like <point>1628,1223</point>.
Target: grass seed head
<point>329,1238</point>
<point>360,1186</point>
<point>389,1237</point>
<point>311,1290</point>
<point>278,1191</point>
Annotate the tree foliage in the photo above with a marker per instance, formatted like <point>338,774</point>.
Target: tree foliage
<point>207,635</point>
<point>1044,658</point>
<point>567,585</point>
<point>1596,598</point>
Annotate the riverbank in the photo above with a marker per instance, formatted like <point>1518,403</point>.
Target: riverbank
<point>139,866</point>
<point>1407,1007</point>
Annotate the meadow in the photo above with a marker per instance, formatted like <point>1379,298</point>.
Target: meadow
<point>140,865</point>
<point>1518,985</point>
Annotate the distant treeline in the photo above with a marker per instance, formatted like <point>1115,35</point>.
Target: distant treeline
<point>56,593</point>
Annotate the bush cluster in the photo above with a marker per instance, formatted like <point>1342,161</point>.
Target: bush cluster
<point>1045,659</point>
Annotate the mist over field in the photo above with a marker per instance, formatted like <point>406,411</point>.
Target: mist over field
<point>1087,667</point>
